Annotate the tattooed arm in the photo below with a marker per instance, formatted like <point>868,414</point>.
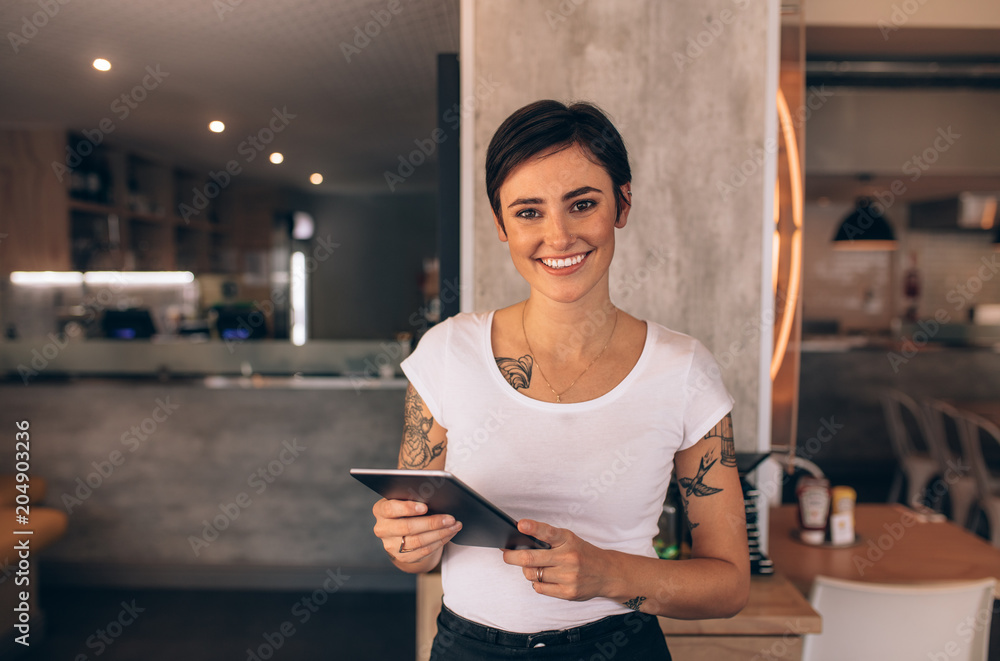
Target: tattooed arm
<point>714,582</point>
<point>424,445</point>
<point>424,440</point>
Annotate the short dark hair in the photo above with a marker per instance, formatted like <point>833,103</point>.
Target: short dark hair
<point>543,125</point>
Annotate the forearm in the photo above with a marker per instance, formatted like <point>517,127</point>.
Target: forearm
<point>694,589</point>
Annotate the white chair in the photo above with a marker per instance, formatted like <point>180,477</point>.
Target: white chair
<point>876,622</point>
<point>918,465</point>
<point>981,440</point>
<point>945,433</point>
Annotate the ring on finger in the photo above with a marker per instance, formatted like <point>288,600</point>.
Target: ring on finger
<point>538,574</point>
<point>402,543</point>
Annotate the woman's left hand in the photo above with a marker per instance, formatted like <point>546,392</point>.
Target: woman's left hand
<point>572,569</point>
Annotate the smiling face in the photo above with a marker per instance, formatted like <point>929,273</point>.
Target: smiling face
<point>559,222</point>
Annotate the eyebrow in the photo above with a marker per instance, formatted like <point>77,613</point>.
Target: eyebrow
<point>568,196</point>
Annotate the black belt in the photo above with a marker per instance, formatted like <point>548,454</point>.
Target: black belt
<point>583,633</point>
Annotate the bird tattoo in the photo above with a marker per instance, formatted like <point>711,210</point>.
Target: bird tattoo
<point>696,485</point>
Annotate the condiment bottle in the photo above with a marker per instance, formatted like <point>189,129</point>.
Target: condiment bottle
<point>842,516</point>
<point>813,494</point>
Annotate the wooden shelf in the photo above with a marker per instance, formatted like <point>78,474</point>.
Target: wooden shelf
<point>91,207</point>
<point>127,215</point>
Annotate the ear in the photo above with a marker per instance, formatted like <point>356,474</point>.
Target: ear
<point>501,232</point>
<point>623,216</point>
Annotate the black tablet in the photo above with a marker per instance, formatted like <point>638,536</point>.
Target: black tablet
<point>483,523</point>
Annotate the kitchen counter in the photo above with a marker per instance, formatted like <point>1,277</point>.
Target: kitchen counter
<point>34,358</point>
<point>217,482</point>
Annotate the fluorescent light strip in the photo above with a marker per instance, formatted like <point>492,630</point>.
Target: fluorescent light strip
<point>298,295</point>
<point>46,277</point>
<point>138,277</point>
<point>101,277</point>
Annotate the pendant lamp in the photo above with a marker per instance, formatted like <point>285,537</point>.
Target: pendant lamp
<point>865,228</point>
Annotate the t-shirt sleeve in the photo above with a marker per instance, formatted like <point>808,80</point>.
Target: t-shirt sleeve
<point>426,368</point>
<point>707,399</point>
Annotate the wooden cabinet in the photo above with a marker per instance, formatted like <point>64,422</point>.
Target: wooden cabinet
<point>34,223</point>
<point>131,211</point>
<point>68,204</point>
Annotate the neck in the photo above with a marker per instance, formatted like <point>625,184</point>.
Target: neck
<point>569,330</point>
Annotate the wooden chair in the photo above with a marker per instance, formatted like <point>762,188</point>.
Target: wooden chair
<point>874,622</point>
<point>981,440</point>
<point>917,465</point>
<point>944,423</point>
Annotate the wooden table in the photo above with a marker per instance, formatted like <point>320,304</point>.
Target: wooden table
<point>896,547</point>
<point>772,624</point>
<point>987,408</point>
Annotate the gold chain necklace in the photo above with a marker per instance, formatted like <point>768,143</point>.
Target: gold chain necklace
<point>538,365</point>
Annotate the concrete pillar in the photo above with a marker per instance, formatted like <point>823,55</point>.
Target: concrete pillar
<point>691,86</point>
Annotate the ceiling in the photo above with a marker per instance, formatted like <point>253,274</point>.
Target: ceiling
<point>237,61</point>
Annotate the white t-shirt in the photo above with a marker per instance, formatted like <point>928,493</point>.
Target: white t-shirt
<point>599,468</point>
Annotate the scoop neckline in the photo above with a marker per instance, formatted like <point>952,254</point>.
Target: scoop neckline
<point>612,394</point>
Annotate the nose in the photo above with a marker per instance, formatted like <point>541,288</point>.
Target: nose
<point>557,234</point>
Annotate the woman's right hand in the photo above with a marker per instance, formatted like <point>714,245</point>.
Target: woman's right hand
<point>401,524</point>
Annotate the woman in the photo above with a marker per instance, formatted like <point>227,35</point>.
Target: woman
<point>570,414</point>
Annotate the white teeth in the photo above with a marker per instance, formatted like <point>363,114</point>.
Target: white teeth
<point>563,263</point>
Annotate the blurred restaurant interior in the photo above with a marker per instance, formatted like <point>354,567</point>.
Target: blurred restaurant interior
<point>218,242</point>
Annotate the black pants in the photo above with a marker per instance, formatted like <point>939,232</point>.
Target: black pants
<point>629,637</point>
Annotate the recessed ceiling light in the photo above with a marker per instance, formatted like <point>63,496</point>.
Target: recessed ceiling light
<point>276,158</point>
<point>101,64</point>
<point>316,178</point>
<point>216,126</point>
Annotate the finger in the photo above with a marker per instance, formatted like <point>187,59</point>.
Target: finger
<point>395,509</point>
<point>433,537</point>
<point>549,574</point>
<point>522,558</point>
<point>543,531</point>
<point>412,525</point>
